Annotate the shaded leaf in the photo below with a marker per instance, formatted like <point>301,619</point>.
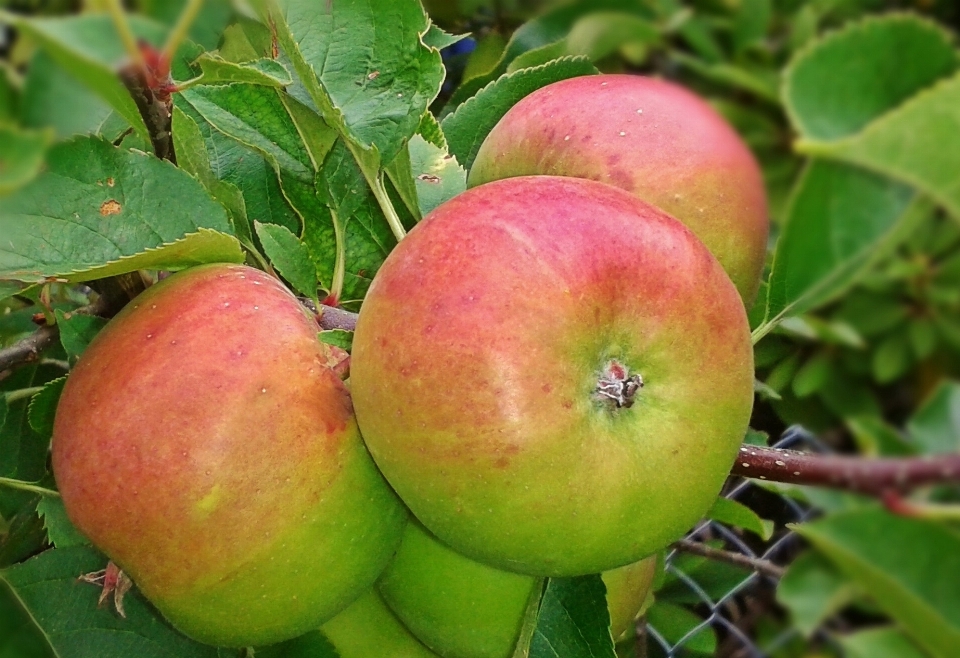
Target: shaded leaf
<point>675,623</point>
<point>913,579</point>
<point>19,636</point>
<point>77,330</point>
<point>935,426</point>
<point>99,211</point>
<point>739,515</point>
<point>573,621</point>
<point>67,611</point>
<point>466,128</point>
<point>21,156</point>
<point>879,643</point>
<point>840,220</point>
<point>290,256</point>
<point>337,337</point>
<point>600,33</point>
<point>812,590</point>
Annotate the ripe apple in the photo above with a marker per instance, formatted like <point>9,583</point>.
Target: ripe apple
<point>465,609</point>
<point>206,446</point>
<point>652,138</point>
<point>553,375</point>
<point>368,628</point>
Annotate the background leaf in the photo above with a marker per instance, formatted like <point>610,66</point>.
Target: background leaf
<point>935,426</point>
<point>60,531</point>
<point>913,579</point>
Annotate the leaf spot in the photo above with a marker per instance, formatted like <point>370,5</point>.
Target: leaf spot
<point>110,207</point>
<point>429,178</point>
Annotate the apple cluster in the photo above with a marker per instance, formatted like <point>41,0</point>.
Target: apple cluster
<point>550,377</point>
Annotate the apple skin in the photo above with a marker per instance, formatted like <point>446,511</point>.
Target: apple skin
<point>203,443</point>
<point>478,353</point>
<point>465,609</point>
<point>678,154</point>
<point>368,628</point>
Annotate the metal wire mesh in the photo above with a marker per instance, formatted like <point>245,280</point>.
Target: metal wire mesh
<point>725,613</point>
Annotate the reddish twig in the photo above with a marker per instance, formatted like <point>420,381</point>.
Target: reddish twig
<point>871,476</point>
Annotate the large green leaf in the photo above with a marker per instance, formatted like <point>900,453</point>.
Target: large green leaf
<point>841,218</point>
<point>840,84</point>
<point>466,128</point>
<point>909,567</point>
<point>67,612</point>
<point>573,621</point>
<point>100,211</point>
<point>919,143</point>
<point>376,76</point>
<point>935,426</point>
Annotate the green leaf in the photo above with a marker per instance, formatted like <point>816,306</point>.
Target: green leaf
<point>255,116</point>
<point>840,220</point>
<point>437,174</point>
<point>812,590</point>
<point>367,67</point>
<point>67,611</point>
<point>879,643</point>
<point>750,23</point>
<point>917,143</point>
<point>337,337</point>
<point>41,105</point>
<point>540,56</point>
<point>573,620</point>
<point>913,579</point>
<point>674,622</point>
<point>43,407</point>
<point>21,156</point>
<point>290,256</point>
<point>875,438</point>
<point>99,211</point>
<point>763,83</point>
<point>264,71</point>
<point>892,358</point>
<point>466,128</point>
<point>739,515</point>
<point>77,330</point>
<point>61,532</point>
<point>245,40</point>
<point>813,375</point>
<point>437,38</point>
<point>19,636</point>
<point>935,426</point>
<point>601,33</point>
<point>89,48</point>
<point>841,83</point>
<point>192,157</point>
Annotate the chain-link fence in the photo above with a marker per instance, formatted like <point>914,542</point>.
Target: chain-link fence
<point>736,610</point>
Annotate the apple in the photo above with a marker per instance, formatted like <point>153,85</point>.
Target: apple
<point>652,138</point>
<point>465,609</point>
<point>205,445</point>
<point>368,628</point>
<point>553,375</point>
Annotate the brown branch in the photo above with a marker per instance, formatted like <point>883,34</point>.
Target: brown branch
<point>156,108</point>
<point>871,476</point>
<point>765,567</point>
<point>112,298</point>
